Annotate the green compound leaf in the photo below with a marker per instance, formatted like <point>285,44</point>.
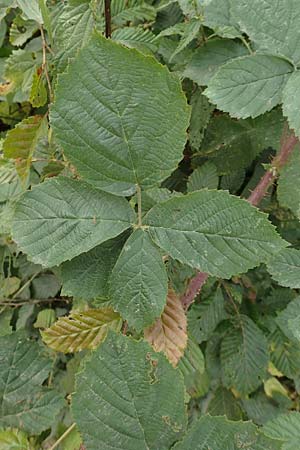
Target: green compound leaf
<point>273,25</point>
<point>139,282</point>
<point>120,117</point>
<point>249,86</point>
<point>206,60</point>
<point>214,232</point>
<point>24,402</point>
<point>62,218</point>
<point>288,191</point>
<point>124,398</point>
<point>285,268</point>
<point>291,102</point>
<point>81,330</point>
<point>218,433</point>
<point>285,428</point>
<point>11,439</point>
<point>87,275</point>
<point>244,356</point>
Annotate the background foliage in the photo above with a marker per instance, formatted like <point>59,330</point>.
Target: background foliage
<point>125,168</point>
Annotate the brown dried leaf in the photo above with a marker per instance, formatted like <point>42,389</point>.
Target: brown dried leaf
<point>169,333</point>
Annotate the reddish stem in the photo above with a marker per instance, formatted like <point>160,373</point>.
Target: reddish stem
<point>287,146</point>
<point>107,14</point>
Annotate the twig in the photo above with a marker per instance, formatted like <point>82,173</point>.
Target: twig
<point>107,14</point>
<point>19,291</point>
<point>288,144</point>
<point>63,436</point>
<point>44,63</point>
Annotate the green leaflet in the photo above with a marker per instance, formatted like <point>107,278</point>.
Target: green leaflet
<point>289,320</point>
<point>201,113</point>
<point>218,433</point>
<point>285,428</point>
<point>124,398</point>
<point>285,354</point>
<point>249,86</point>
<point>223,403</point>
<point>288,191</point>
<point>139,282</point>
<point>285,268</point>
<point>213,232</point>
<point>218,16</point>
<point>206,60</point>
<point>31,10</point>
<point>14,440</point>
<point>24,402</point>
<point>291,102</point>
<point>273,25</point>
<point>120,117</point>
<point>205,176</point>
<point>86,276</point>
<point>244,356</point>
<point>62,218</point>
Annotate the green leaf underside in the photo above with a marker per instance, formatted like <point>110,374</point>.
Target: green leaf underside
<point>285,268</point>
<point>62,218</point>
<point>218,433</point>
<point>244,357</point>
<point>249,86</point>
<point>81,330</point>
<point>214,232</point>
<point>273,25</point>
<point>218,16</point>
<point>86,276</point>
<point>206,60</point>
<point>24,402</point>
<point>120,117</point>
<point>124,398</point>
<point>291,102</point>
<point>139,282</point>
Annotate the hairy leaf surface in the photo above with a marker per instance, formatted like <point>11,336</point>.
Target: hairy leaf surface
<point>213,232</point>
<point>120,117</point>
<point>118,394</point>
<point>62,218</point>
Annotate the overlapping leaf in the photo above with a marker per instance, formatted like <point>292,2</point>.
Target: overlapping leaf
<point>120,117</point>
<point>213,232</point>
<point>81,330</point>
<point>169,333</point>
<point>62,218</point>
<point>285,428</point>
<point>124,398</point>
<point>285,268</point>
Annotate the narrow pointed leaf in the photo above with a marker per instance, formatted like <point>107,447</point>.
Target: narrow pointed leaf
<point>124,398</point>
<point>214,232</point>
<point>139,282</point>
<point>81,330</point>
<point>249,86</point>
<point>169,333</point>
<point>120,117</point>
<point>62,218</point>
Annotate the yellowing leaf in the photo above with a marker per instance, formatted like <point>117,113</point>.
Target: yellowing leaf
<point>81,330</point>
<point>169,333</point>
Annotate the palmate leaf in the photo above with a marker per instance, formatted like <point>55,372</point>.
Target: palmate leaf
<point>81,330</point>
<point>139,282</point>
<point>244,356</point>
<point>120,117</point>
<point>169,333</point>
<point>24,402</point>
<point>218,433</point>
<point>214,232</point>
<point>124,398</point>
<point>87,275</point>
<point>272,25</point>
<point>250,85</point>
<point>285,428</point>
<point>285,268</point>
<point>62,218</point>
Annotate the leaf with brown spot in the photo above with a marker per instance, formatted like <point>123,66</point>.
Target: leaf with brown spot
<point>81,330</point>
<point>169,333</point>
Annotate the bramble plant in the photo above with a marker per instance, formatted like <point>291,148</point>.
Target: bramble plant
<point>149,220</point>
